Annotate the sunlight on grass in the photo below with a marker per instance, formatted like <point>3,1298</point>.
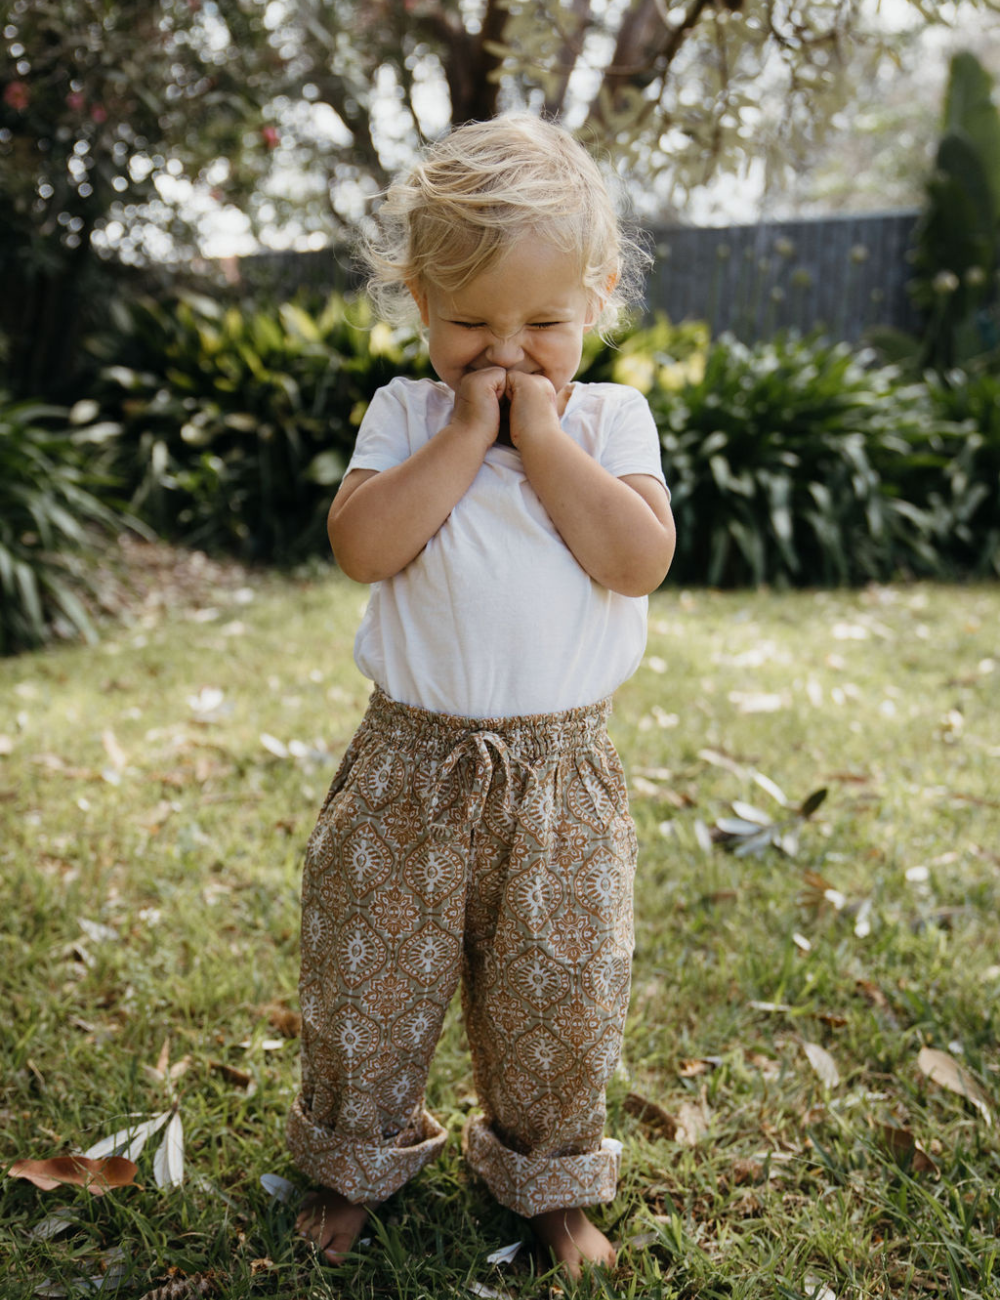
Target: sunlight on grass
<point>156,795</point>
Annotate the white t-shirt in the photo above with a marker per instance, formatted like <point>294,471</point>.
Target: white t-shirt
<point>495,617</point>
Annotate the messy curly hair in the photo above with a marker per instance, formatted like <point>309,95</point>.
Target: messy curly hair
<point>474,193</point>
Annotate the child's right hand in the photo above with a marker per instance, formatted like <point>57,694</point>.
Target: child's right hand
<point>477,402</point>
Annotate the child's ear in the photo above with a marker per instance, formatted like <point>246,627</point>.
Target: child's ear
<point>419,296</point>
<point>598,303</point>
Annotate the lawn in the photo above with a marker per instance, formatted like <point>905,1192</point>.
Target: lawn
<point>786,1130</point>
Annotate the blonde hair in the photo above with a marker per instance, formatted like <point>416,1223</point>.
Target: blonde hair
<point>481,188</point>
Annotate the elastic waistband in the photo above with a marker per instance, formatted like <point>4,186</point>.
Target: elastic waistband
<point>530,735</point>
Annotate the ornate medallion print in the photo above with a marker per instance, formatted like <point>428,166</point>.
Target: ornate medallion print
<point>500,854</point>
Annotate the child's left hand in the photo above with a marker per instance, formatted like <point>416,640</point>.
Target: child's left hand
<point>534,407</point>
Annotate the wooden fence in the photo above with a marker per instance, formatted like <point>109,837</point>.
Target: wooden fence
<point>839,274</point>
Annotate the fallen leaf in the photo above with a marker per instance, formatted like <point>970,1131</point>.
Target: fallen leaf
<point>274,746</point>
<point>905,1147</point>
<point>97,932</point>
<point>168,1163</point>
<point>53,1224</point>
<point>114,751</point>
<point>823,1063</point>
<point>775,791</point>
<point>746,1171</point>
<point>693,1119</point>
<point>505,1255</point>
<point>650,1114</point>
<point>279,1188</point>
<point>757,701</point>
<point>284,1020</point>
<point>872,992</point>
<point>183,1288</point>
<point>946,1072</point>
<point>128,1142</point>
<point>700,1065</point>
<point>97,1176</point>
<point>239,1078</point>
<point>163,1060</point>
<point>749,812</point>
<point>812,802</point>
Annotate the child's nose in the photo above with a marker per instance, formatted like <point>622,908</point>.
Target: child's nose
<point>505,352</point>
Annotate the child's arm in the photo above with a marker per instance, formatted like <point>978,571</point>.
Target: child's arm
<point>620,530</point>
<point>381,520</point>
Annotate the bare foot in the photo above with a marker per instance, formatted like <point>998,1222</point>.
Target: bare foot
<point>331,1222</point>
<point>574,1240</point>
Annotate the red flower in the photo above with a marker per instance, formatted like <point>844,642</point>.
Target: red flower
<point>99,113</point>
<point>271,136</point>
<point>16,96</point>
<point>76,100</point>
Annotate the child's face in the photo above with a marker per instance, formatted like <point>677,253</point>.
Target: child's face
<point>528,313</point>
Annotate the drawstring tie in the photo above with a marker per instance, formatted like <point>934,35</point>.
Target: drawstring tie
<point>477,744</point>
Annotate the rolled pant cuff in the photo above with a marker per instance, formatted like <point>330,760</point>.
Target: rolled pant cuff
<point>530,1185</point>
<point>365,1174</point>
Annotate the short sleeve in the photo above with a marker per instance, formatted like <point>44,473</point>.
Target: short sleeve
<point>632,442</point>
<point>383,438</point>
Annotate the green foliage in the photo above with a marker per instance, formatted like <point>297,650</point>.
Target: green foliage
<point>236,426</point>
<point>48,509</point>
<point>784,461</point>
<point>967,496</point>
<point>99,101</point>
<point>957,241</point>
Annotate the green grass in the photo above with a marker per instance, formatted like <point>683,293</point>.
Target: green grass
<point>182,834</point>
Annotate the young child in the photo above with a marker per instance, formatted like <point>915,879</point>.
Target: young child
<point>511,522</point>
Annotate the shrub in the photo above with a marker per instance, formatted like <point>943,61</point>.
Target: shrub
<point>783,460</point>
<point>48,510</point>
<point>235,426</point>
<point>963,486</point>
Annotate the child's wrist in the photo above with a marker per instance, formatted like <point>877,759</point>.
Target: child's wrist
<point>471,431</point>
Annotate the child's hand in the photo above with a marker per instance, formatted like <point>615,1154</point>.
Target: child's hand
<point>534,407</point>
<point>477,401</point>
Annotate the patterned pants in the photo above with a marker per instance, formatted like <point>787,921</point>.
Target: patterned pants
<point>499,854</point>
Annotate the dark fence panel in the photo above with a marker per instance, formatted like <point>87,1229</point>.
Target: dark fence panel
<point>839,274</point>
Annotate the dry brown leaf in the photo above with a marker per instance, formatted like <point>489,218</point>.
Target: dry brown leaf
<point>650,1115</point>
<point>905,1146</point>
<point>183,1288</point>
<point>239,1078</point>
<point>179,1068</point>
<point>873,993</point>
<point>97,1176</point>
<point>746,1171</point>
<point>288,1023</point>
<point>946,1072</point>
<point>691,1069</point>
<point>164,1058</point>
<point>693,1119</point>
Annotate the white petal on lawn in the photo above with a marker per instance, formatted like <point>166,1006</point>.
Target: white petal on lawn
<point>128,1142</point>
<point>280,1188</point>
<point>168,1164</point>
